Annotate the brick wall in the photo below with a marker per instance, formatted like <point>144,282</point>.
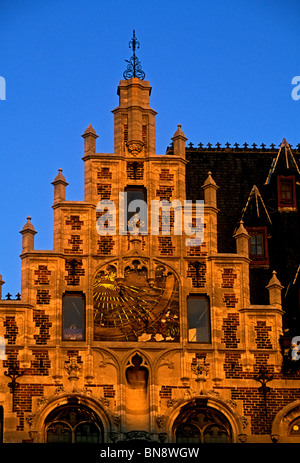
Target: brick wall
<point>165,246</point>
<point>230,325</point>
<point>230,300</point>
<point>108,391</point>
<point>165,192</point>
<point>23,400</point>
<point>74,243</point>
<point>42,322</point>
<point>105,245</point>
<point>228,277</point>
<point>166,176</point>
<point>11,329</point>
<point>104,190</point>
<point>74,269</point>
<point>41,364</point>
<point>197,272</point>
<point>75,222</point>
<point>262,335</point>
<point>135,170</point>
<point>43,297</point>
<point>42,274</point>
<point>254,405</point>
<point>104,173</point>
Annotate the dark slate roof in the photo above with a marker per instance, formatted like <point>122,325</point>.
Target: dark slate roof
<point>235,171</point>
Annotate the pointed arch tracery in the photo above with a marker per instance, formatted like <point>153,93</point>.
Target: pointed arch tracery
<point>199,423</point>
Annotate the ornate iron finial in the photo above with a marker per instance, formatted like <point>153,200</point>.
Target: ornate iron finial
<point>263,377</point>
<point>134,67</point>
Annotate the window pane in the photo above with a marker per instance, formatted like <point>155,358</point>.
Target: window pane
<point>188,434</point>
<point>87,433</point>
<point>137,217</point>
<point>73,317</point>
<point>256,244</point>
<point>215,434</point>
<point>286,190</point>
<point>198,319</point>
<point>59,433</point>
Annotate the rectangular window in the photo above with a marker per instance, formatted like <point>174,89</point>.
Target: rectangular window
<point>136,215</point>
<point>258,245</point>
<point>286,188</point>
<point>198,312</point>
<point>73,317</point>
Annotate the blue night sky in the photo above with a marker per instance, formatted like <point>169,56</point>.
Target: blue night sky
<point>223,69</point>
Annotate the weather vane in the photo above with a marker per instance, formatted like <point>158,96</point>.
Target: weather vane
<point>134,67</point>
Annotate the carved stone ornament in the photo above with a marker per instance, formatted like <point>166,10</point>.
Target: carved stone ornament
<point>87,391</point>
<point>116,420</point>
<point>59,390</point>
<point>144,435</point>
<point>275,438</point>
<point>41,401</point>
<point>242,438</point>
<point>171,403</point>
<point>73,368</point>
<point>213,393</point>
<point>244,421</point>
<point>135,147</point>
<point>114,436</point>
<point>160,421</point>
<point>104,401</point>
<point>162,437</point>
<point>200,369</point>
<point>32,434</point>
<point>29,419</point>
<point>232,404</point>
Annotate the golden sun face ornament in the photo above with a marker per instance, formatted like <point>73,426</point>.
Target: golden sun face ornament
<point>135,309</point>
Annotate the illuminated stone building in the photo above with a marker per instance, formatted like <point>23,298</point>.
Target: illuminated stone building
<point>120,337</point>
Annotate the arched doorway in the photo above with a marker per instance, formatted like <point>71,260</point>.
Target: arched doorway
<point>73,423</point>
<point>197,423</point>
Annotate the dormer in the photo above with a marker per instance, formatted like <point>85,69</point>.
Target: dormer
<point>285,173</point>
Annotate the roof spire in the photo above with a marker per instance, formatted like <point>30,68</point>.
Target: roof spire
<point>134,67</point>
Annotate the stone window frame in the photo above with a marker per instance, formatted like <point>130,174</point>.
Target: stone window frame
<point>136,187</point>
<point>284,202</point>
<point>257,259</point>
<point>202,296</point>
<point>79,294</point>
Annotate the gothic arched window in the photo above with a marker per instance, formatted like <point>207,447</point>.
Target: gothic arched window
<point>200,424</point>
<point>294,429</point>
<point>73,424</point>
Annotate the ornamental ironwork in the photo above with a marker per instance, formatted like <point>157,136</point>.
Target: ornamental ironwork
<point>263,377</point>
<point>134,67</point>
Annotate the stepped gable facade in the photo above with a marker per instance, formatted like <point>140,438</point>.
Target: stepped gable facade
<point>119,336</point>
